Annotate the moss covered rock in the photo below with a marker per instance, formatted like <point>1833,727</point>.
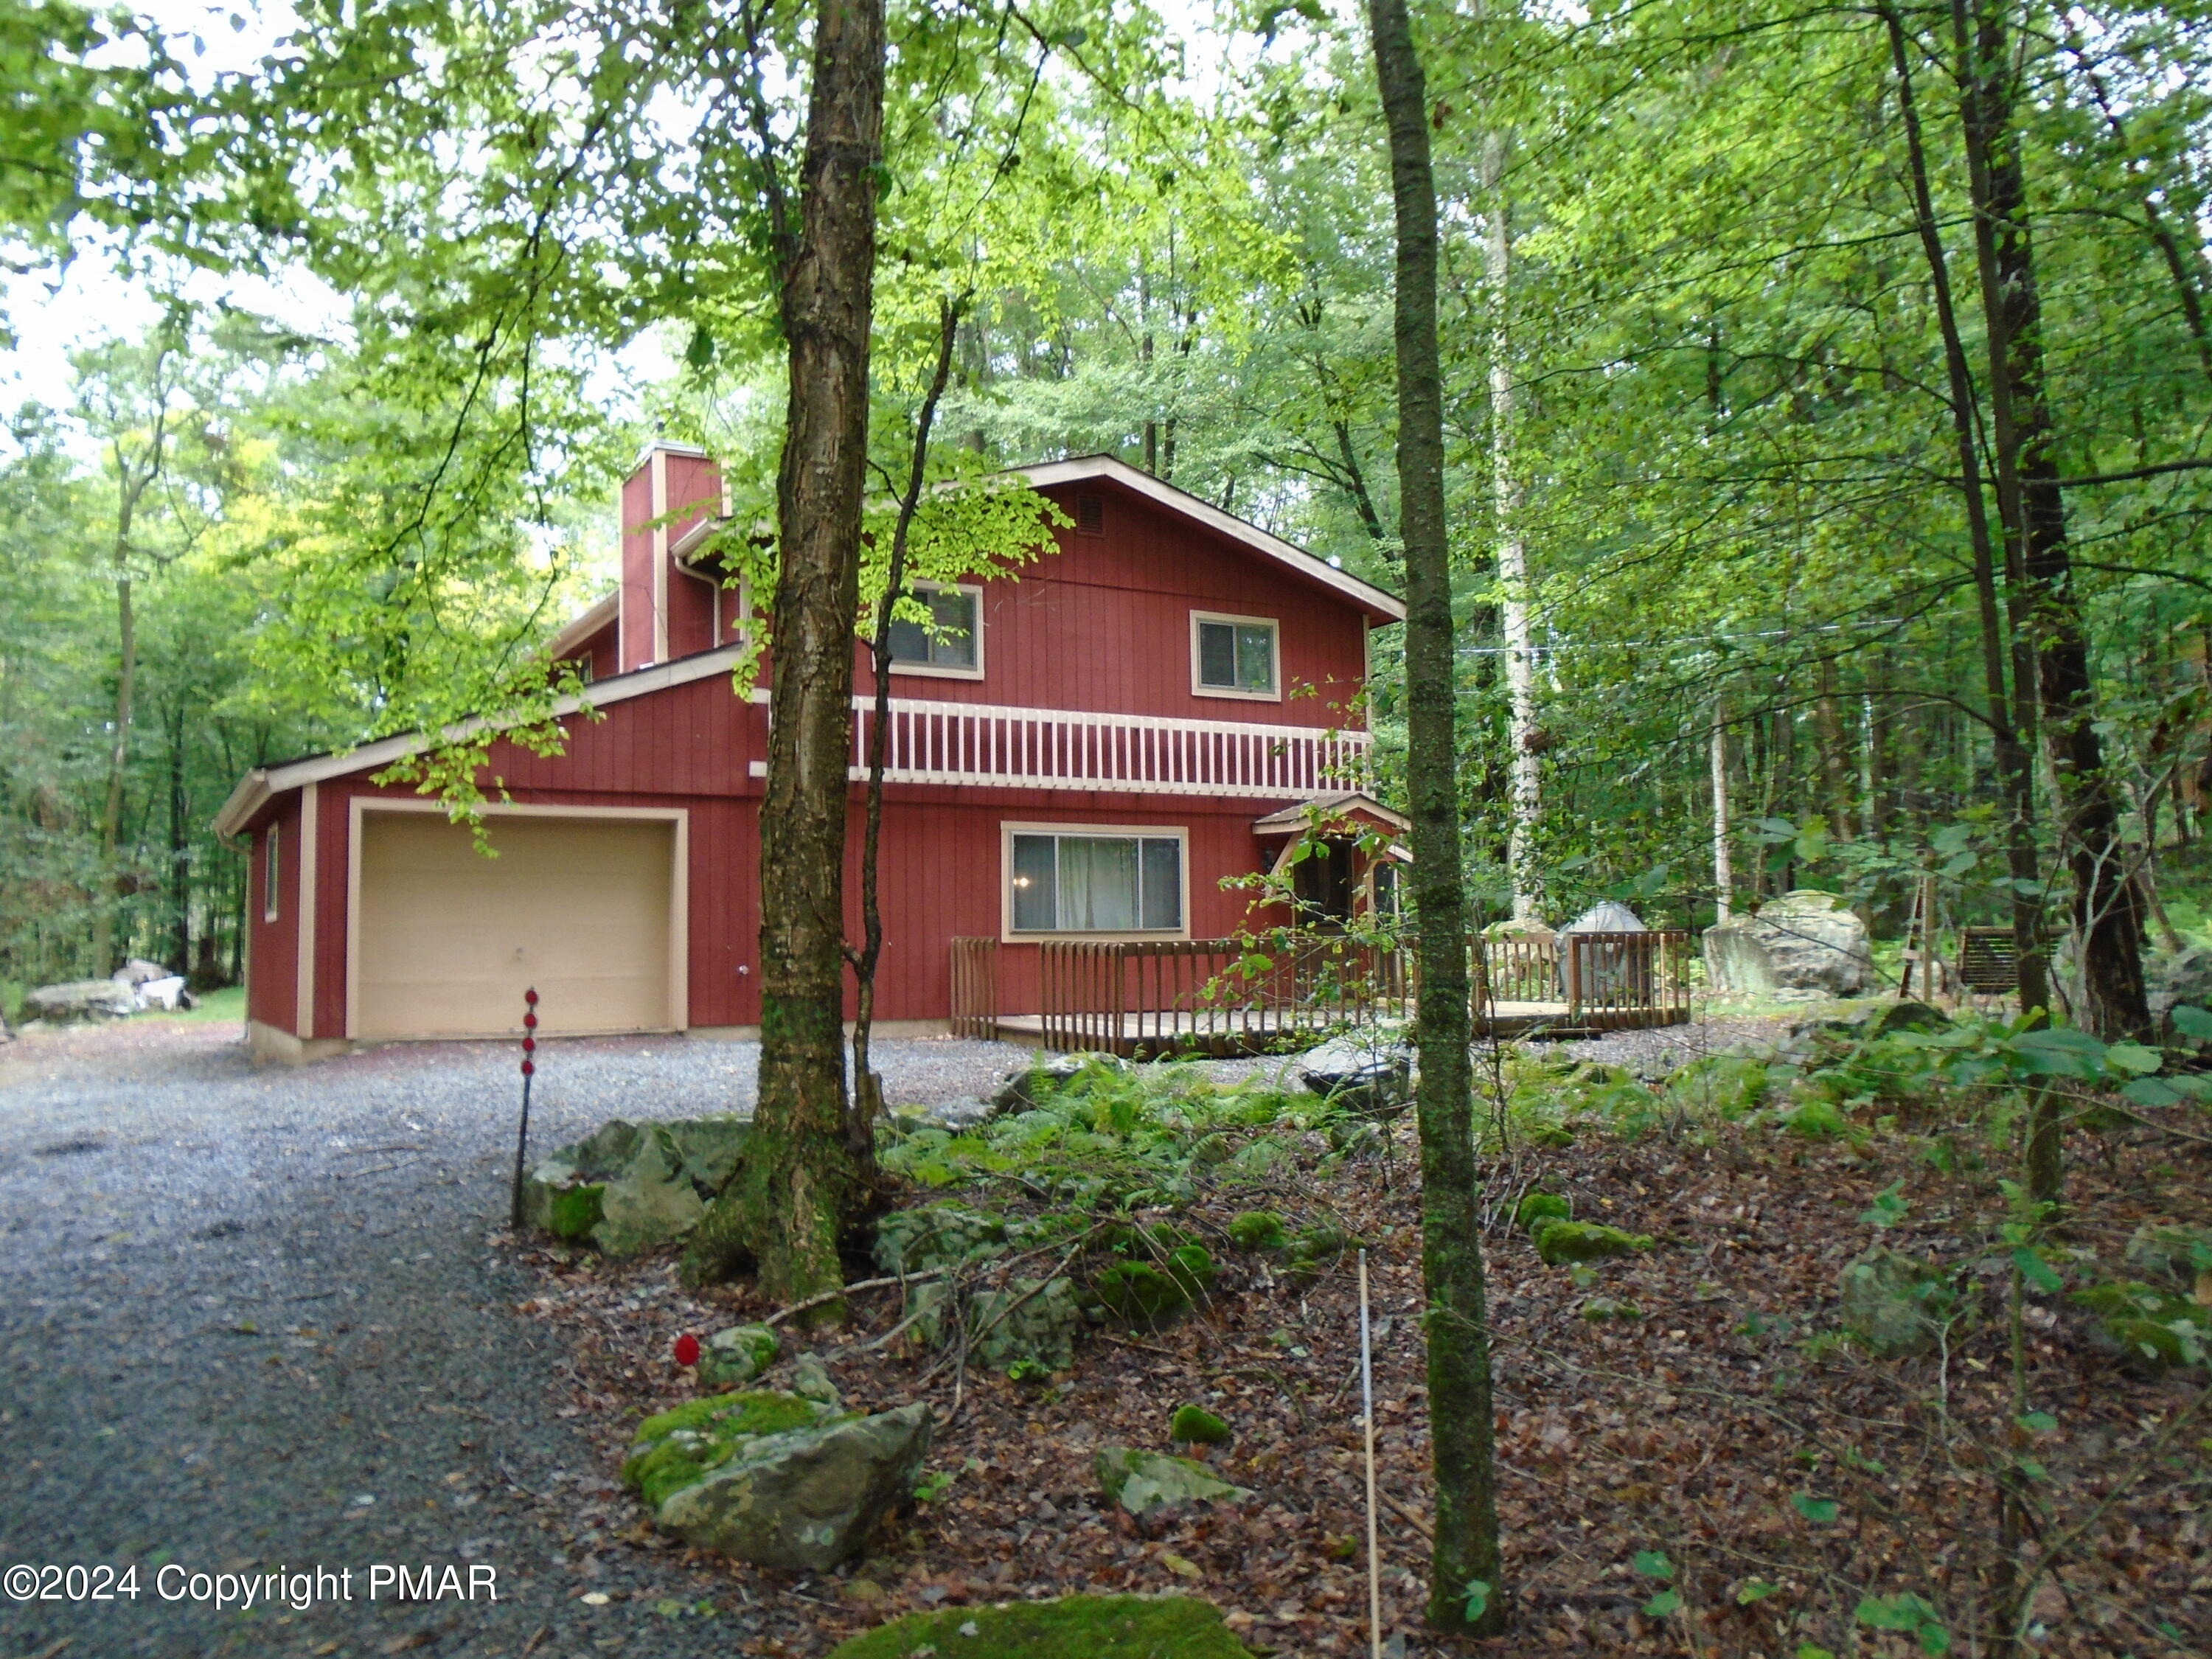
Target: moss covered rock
<point>1030,1320</point>
<point>937,1235</point>
<point>630,1188</point>
<point>734,1357</point>
<point>1147,1484</point>
<point>1535,1208</point>
<point>1559,1241</point>
<point>774,1479</point>
<point>1145,1294</point>
<point>1092,1626</point>
<point>1194,1425</point>
<point>1258,1230</point>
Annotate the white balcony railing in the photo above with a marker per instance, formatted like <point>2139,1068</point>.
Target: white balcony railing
<point>997,746</point>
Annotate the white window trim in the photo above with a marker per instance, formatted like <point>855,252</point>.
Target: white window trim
<point>1198,686</point>
<point>272,872</point>
<point>1008,829</point>
<point>943,670</point>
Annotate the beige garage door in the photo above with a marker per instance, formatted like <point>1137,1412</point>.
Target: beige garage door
<point>449,939</point>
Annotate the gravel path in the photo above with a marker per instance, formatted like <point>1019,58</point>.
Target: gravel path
<point>253,1320</point>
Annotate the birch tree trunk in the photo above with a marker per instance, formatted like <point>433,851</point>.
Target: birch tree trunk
<point>1527,770</point>
<point>1724,857</point>
<point>1457,1323</point>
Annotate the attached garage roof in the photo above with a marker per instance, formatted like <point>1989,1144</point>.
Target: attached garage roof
<point>257,787</point>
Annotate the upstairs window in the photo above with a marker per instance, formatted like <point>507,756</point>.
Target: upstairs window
<point>271,888</point>
<point>1091,883</point>
<point>1234,656</point>
<point>951,643</point>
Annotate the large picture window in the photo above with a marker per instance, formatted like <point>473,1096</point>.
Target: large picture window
<point>1234,656</point>
<point>951,643</point>
<point>1094,882</point>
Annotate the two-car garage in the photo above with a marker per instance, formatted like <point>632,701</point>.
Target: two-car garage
<point>587,906</point>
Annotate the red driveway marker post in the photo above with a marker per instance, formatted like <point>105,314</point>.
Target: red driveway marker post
<point>529,1068</point>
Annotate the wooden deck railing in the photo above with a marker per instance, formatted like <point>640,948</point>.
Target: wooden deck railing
<point>1224,995</point>
<point>975,988</point>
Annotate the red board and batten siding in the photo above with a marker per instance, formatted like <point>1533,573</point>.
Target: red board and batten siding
<point>272,990</point>
<point>1104,625</point>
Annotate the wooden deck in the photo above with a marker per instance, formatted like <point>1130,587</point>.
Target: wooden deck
<point>1265,1028</point>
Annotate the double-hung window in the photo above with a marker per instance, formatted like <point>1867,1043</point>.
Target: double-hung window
<point>1234,656</point>
<point>1094,881</point>
<point>951,643</point>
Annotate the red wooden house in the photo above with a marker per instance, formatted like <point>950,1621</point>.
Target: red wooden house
<point>1085,751</point>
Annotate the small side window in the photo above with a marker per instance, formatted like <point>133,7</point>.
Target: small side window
<point>1234,656</point>
<point>951,642</point>
<point>1090,515</point>
<point>584,668</point>
<point>272,864</point>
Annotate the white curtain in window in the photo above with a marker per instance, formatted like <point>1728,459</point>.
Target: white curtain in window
<point>1097,885</point>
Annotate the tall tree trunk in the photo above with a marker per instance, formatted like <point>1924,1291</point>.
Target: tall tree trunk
<point>119,758</point>
<point>1457,1322</point>
<point>1835,758</point>
<point>2107,906</point>
<point>2007,709</point>
<point>806,1166</point>
<point>1723,858</point>
<point>1526,766</point>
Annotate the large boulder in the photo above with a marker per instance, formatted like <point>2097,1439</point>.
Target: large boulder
<point>2182,979</point>
<point>80,999</point>
<point>1151,1484</point>
<point>1802,941</point>
<point>1365,1071</point>
<point>630,1188</point>
<point>775,1479</point>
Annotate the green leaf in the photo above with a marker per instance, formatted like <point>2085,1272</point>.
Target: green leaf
<point>2151,1091</point>
<point>1654,1564</point>
<point>2134,1059</point>
<point>1902,1612</point>
<point>1806,1651</point>
<point>1476,1594</point>
<point>1888,1208</point>
<point>2038,1422</point>
<point>700,352</point>
<point>1819,1510</point>
<point>2191,1022</point>
<point>1666,1601</point>
<point>2036,1271</point>
<point>1757,1590</point>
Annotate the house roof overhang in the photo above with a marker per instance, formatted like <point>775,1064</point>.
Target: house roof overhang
<point>584,626</point>
<point>1350,807</point>
<point>1381,605</point>
<point>264,783</point>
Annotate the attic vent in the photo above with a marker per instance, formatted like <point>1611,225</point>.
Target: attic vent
<point>1090,515</point>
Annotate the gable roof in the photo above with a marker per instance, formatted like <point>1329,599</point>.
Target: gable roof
<point>1084,468</point>
<point>1294,820</point>
<point>1380,603</point>
<point>256,789</point>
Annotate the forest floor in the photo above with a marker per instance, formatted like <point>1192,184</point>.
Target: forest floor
<point>1711,1471</point>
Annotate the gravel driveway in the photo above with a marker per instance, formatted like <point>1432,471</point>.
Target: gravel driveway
<point>253,1320</point>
